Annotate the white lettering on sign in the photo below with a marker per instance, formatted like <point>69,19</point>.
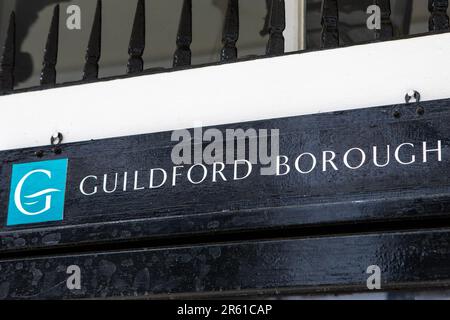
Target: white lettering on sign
<point>352,159</point>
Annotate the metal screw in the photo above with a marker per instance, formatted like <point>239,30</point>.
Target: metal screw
<point>39,154</point>
<point>56,139</point>
<point>412,94</point>
<point>420,111</point>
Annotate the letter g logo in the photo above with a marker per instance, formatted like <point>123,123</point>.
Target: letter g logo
<point>37,192</point>
<point>47,192</point>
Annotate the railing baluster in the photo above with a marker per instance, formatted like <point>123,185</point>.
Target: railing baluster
<point>48,74</point>
<point>230,34</point>
<point>183,55</point>
<point>93,52</point>
<point>277,24</point>
<point>330,20</point>
<point>137,40</point>
<point>9,57</point>
<point>439,19</point>
<point>387,30</point>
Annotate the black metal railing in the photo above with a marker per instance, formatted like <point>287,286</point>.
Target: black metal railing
<point>230,34</point>
<point>183,54</point>
<point>439,19</point>
<point>94,49</point>
<point>48,74</point>
<point>386,31</point>
<point>137,41</point>
<point>275,26</point>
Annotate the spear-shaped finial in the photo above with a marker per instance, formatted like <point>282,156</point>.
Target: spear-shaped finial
<point>230,32</point>
<point>137,41</point>
<point>94,47</point>
<point>330,21</point>
<point>182,56</point>
<point>439,19</point>
<point>8,63</point>
<point>48,74</point>
<point>277,24</point>
<point>387,29</point>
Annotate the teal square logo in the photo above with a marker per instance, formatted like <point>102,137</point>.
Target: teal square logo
<point>37,192</point>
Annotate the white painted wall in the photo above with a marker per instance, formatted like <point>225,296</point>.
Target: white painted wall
<point>346,78</point>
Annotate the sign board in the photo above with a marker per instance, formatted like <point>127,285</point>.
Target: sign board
<point>156,229</point>
<point>375,164</point>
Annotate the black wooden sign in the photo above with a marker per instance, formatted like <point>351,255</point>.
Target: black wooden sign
<point>409,260</point>
<point>358,166</point>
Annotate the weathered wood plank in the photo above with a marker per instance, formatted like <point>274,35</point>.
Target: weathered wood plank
<point>328,264</point>
<point>370,193</point>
